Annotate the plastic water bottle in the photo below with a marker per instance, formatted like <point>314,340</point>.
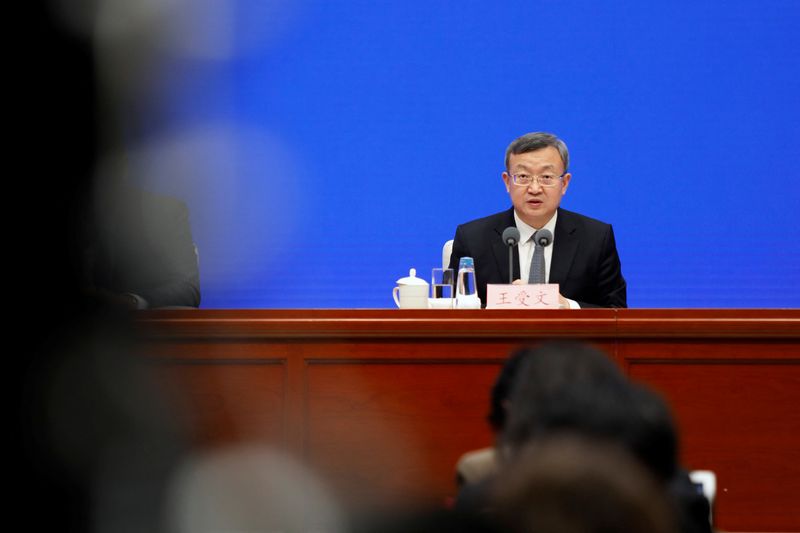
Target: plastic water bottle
<point>466,291</point>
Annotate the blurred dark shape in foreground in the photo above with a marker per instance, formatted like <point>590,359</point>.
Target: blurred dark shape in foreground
<point>573,485</point>
<point>93,436</point>
<point>139,251</point>
<point>101,437</point>
<point>572,389</point>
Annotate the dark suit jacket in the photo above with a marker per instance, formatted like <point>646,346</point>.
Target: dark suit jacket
<point>585,262</point>
<point>143,245</point>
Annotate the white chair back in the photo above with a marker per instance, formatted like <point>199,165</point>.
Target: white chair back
<point>447,250</point>
<point>708,480</point>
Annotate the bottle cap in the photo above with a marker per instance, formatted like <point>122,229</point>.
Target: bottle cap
<point>466,262</point>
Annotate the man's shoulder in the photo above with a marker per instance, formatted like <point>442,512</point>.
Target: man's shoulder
<point>141,203</point>
<point>574,219</point>
<point>163,202</point>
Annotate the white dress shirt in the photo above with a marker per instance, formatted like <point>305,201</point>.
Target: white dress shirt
<point>526,247</point>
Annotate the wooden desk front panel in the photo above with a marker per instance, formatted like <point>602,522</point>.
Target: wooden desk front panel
<point>384,417</point>
<point>738,408</point>
<point>392,429</point>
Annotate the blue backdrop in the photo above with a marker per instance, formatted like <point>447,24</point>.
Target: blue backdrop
<point>333,145</point>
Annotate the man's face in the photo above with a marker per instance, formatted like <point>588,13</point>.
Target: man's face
<point>535,204</point>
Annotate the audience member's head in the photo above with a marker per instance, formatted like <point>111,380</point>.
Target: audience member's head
<point>653,436</point>
<point>571,485</point>
<point>501,390</point>
<point>583,449</point>
<point>573,388</point>
<point>565,387</point>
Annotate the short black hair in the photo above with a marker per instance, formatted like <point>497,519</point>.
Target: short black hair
<point>536,141</point>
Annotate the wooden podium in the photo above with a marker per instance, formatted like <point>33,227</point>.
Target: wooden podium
<point>381,403</point>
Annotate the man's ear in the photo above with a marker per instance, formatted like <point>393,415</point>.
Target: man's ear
<point>565,183</point>
<point>507,181</point>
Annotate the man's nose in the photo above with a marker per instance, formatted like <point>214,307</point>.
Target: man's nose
<point>534,186</point>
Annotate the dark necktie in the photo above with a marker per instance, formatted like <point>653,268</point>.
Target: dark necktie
<point>536,274</point>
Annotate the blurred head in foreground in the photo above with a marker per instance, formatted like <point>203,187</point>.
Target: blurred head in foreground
<point>573,485</point>
<point>575,389</point>
<point>565,387</point>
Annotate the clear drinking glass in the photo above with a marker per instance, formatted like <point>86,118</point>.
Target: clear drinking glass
<point>442,288</point>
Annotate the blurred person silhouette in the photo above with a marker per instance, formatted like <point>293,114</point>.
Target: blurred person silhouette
<point>551,384</point>
<point>426,520</point>
<point>94,435</point>
<point>102,434</point>
<point>576,485</point>
<point>139,251</point>
<point>654,439</point>
<point>476,465</point>
<point>134,248</point>
<point>250,487</point>
<point>575,389</point>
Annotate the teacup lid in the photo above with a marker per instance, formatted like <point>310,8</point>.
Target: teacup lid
<point>412,279</point>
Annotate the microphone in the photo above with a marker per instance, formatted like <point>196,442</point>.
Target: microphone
<point>511,238</point>
<point>543,237</point>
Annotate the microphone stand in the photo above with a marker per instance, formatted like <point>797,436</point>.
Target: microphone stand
<point>510,263</point>
<point>510,238</point>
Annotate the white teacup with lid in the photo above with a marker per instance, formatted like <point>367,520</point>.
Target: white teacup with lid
<point>411,292</point>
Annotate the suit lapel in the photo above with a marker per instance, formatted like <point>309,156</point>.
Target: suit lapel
<point>565,246</point>
<point>500,250</point>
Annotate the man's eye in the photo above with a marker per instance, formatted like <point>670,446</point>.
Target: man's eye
<point>547,177</point>
<point>522,177</point>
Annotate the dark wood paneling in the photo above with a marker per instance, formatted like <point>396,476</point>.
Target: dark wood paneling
<point>395,427</point>
<point>232,402</point>
<point>741,420</point>
<point>382,402</point>
<point>738,405</point>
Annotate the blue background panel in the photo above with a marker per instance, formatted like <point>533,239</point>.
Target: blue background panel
<point>337,144</point>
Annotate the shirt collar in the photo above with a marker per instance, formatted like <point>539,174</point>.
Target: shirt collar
<point>526,231</point>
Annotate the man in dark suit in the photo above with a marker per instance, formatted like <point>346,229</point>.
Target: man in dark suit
<point>141,253</point>
<point>582,258</point>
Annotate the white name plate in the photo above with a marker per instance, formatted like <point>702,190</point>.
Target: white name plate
<point>537,296</point>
